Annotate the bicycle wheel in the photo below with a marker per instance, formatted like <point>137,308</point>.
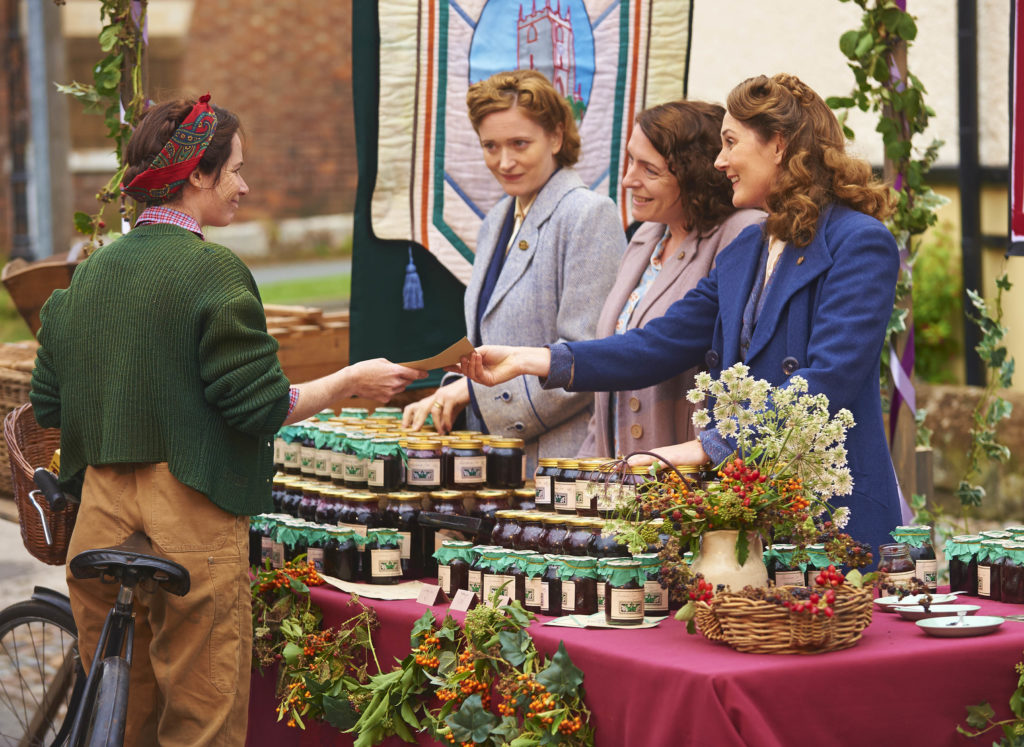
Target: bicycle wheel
<point>111,706</point>
<point>38,665</point>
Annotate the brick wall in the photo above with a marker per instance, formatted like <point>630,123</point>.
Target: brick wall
<point>286,70</point>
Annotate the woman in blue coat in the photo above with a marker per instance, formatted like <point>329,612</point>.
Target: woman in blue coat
<point>807,293</point>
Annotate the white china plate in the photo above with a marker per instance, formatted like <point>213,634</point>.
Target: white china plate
<point>888,604</point>
<point>950,627</point>
<point>917,612</point>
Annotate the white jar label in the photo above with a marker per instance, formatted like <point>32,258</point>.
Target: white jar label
<point>928,572</point>
<point>444,578</point>
<point>406,548</point>
<point>357,528</point>
<point>266,549</point>
<point>322,463</point>
<point>315,555</point>
<point>495,581</point>
<point>470,469</point>
<point>542,485</point>
<point>307,459</point>
<point>476,582</point>
<point>984,580</point>
<point>789,578</point>
<point>423,472</point>
<point>337,466</point>
<point>279,446</point>
<point>355,468</point>
<point>277,555</point>
<point>375,473</point>
<point>533,593</point>
<point>581,500</point>
<point>568,596</point>
<point>565,496</point>
<point>655,597</point>
<point>627,604</point>
<point>292,456</point>
<point>385,563</point>
<point>545,605</point>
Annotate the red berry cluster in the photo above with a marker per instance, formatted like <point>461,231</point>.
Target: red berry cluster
<point>830,577</point>
<point>815,603</point>
<point>702,591</point>
<point>742,479</point>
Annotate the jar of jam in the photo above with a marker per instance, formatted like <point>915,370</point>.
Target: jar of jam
<point>277,543</point>
<point>385,470</point>
<point>336,459</point>
<point>543,483</point>
<point>624,592</point>
<point>552,542</point>
<point>328,508</point>
<point>498,575</point>
<point>360,512</point>
<point>782,569</point>
<point>423,464</point>
<point>817,561</point>
<point>1012,573</point>
<point>475,576</point>
<point>518,571</point>
<point>322,439</point>
<point>342,554</point>
<point>466,434</point>
<point>990,558</point>
<point>580,536</point>
<point>401,512</point>
<point>257,532</point>
<point>996,534</point>
<point>608,489</point>
<point>564,486</point>
<point>655,595</point>
<point>316,541</point>
<point>356,458</point>
<point>465,465</point>
<point>488,502</point>
<point>310,499</point>
<point>506,529</point>
<point>454,558</point>
<point>532,529</point>
<point>292,497</point>
<point>291,448</point>
<point>277,491</point>
<point>307,452</point>
<point>586,492</point>
<point>1016,533</point>
<point>632,479</point>
<point>551,590</point>
<point>534,566</point>
<point>524,499</point>
<point>579,585</point>
<point>451,502</point>
<point>962,553</point>
<point>292,534</point>
<point>919,540</point>
<point>382,556</point>
<point>607,545</point>
<point>357,413</point>
<point>506,463</point>
<point>895,560</point>
<point>386,413</point>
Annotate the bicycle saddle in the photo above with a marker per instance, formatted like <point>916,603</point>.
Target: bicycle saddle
<point>131,562</point>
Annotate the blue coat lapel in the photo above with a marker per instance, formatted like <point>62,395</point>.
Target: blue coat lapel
<point>735,269</point>
<point>791,275</point>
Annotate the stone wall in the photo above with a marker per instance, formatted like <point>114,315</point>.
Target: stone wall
<point>950,410</point>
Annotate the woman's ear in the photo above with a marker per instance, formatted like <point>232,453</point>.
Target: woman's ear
<point>196,179</point>
<point>778,148</point>
<point>557,138</point>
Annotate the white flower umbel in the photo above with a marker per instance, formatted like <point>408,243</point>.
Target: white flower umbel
<point>784,430</point>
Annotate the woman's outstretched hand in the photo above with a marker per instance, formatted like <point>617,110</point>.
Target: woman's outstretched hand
<point>690,454</point>
<point>491,365</point>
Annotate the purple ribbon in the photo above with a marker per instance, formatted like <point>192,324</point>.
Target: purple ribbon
<point>136,15</point>
<point>902,369</point>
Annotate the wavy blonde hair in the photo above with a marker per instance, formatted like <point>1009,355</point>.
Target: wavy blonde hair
<point>815,168</point>
<point>533,93</point>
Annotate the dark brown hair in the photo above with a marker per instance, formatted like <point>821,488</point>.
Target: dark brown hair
<point>155,128</point>
<point>687,134</point>
<point>533,93</point>
<point>815,168</point>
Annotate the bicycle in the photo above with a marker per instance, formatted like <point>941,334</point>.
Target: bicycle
<point>48,697</point>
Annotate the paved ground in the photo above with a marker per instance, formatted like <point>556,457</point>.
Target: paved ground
<point>19,571</point>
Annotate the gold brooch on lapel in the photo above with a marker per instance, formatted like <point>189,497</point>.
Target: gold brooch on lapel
<point>800,260</point>
<point>523,244</point>
<point>682,255</point>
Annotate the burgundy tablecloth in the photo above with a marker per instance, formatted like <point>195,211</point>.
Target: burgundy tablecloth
<point>662,686</point>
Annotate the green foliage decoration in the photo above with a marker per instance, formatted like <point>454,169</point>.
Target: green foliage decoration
<point>116,85</point>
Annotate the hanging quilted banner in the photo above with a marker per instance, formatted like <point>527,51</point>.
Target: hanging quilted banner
<point>610,58</point>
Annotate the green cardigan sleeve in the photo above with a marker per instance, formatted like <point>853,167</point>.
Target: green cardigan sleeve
<point>45,394</point>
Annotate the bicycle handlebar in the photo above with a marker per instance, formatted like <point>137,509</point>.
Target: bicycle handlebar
<point>47,482</point>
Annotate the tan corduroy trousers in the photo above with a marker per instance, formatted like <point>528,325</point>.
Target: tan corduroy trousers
<point>190,667</point>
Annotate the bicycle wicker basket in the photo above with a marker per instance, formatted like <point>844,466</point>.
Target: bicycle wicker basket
<point>31,446</point>
<point>755,626</point>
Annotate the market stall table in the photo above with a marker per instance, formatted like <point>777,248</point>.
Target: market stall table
<point>662,686</point>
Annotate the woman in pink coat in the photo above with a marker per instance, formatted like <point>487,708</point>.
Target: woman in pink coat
<point>688,217</point>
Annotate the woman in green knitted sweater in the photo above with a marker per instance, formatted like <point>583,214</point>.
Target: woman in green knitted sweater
<point>157,367</point>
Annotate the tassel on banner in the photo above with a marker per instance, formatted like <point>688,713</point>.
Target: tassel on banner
<point>412,291</point>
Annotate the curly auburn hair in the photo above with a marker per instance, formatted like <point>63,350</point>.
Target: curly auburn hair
<point>533,93</point>
<point>155,128</point>
<point>815,168</point>
<point>687,135</point>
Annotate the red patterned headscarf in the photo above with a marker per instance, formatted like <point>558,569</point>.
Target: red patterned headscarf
<point>173,164</point>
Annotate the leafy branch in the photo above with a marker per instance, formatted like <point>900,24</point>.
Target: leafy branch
<point>981,718</point>
<point>116,86</point>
